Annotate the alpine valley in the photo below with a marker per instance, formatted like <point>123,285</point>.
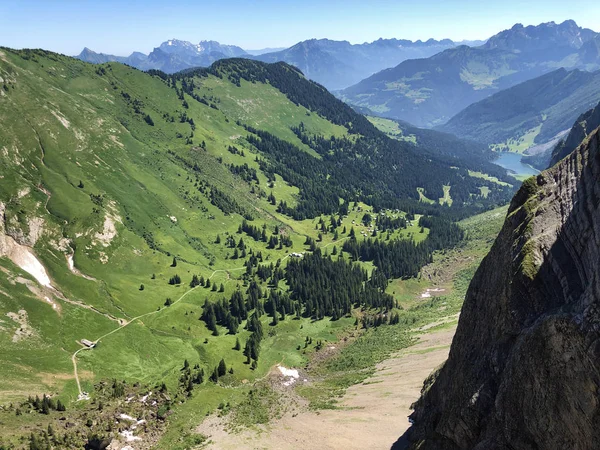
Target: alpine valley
<point>203,247</point>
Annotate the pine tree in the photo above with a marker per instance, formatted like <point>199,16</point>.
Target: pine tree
<point>174,263</point>
<point>237,345</point>
<point>222,369</point>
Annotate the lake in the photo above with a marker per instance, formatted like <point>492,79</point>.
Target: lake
<point>512,163</point>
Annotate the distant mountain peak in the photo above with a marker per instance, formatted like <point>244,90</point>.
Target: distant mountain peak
<point>544,36</point>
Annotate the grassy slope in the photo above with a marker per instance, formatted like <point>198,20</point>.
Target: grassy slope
<point>63,121</point>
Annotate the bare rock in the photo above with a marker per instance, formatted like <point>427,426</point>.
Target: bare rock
<point>524,366</point>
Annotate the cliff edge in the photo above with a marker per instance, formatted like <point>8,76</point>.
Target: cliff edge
<point>524,367</point>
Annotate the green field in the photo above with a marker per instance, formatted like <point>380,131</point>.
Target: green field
<point>114,185</point>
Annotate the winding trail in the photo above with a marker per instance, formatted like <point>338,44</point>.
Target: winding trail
<point>83,395</point>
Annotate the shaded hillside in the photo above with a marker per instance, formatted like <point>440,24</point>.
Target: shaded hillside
<point>428,92</point>
<point>523,369</point>
<point>551,102</point>
<point>583,127</point>
<point>445,146</point>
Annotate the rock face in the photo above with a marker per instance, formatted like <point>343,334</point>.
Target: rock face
<point>585,124</point>
<point>524,366</point>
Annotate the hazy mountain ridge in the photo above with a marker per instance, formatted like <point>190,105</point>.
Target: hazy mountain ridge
<point>428,92</point>
<point>171,56</point>
<point>551,102</point>
<point>335,64</point>
<point>338,64</point>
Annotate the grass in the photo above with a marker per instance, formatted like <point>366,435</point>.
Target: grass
<point>487,177</point>
<point>114,191</point>
<point>392,129</point>
<point>522,143</point>
<point>353,364</point>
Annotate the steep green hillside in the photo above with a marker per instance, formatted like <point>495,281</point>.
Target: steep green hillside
<point>553,101</point>
<point>470,154</point>
<point>167,218</point>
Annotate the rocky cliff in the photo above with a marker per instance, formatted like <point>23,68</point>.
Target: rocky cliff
<point>524,366</point>
<point>585,124</point>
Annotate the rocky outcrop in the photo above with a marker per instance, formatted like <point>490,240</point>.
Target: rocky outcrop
<point>585,124</point>
<point>524,367</point>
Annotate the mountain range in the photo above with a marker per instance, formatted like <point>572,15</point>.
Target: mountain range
<point>334,64</point>
<point>339,64</point>
<point>171,56</point>
<point>539,109</point>
<point>429,91</point>
<point>171,238</point>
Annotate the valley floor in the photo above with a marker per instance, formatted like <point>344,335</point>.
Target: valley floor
<point>371,415</point>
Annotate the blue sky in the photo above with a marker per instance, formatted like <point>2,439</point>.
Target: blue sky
<point>120,27</point>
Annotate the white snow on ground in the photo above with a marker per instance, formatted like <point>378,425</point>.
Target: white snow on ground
<point>47,299</point>
<point>427,293</point>
<point>127,417</point>
<point>128,435</point>
<point>30,264</point>
<point>291,374</point>
<point>25,259</point>
<point>288,372</point>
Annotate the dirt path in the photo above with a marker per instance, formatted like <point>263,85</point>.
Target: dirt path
<point>84,395</point>
<point>374,413</point>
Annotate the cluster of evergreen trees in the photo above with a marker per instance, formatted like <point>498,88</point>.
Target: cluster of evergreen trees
<point>245,172</point>
<point>45,404</point>
<point>252,347</point>
<point>369,167</point>
<point>404,258</point>
<point>190,377</point>
<point>331,288</point>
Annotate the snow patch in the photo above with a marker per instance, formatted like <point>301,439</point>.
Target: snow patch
<point>49,300</point>
<point>128,434</point>
<point>291,374</point>
<point>129,437</point>
<point>23,257</point>
<point>428,292</point>
<point>127,417</point>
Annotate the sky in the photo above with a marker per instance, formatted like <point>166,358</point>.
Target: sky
<point>120,27</point>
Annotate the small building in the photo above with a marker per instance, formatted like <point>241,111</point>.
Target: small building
<point>88,344</point>
<point>296,255</point>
